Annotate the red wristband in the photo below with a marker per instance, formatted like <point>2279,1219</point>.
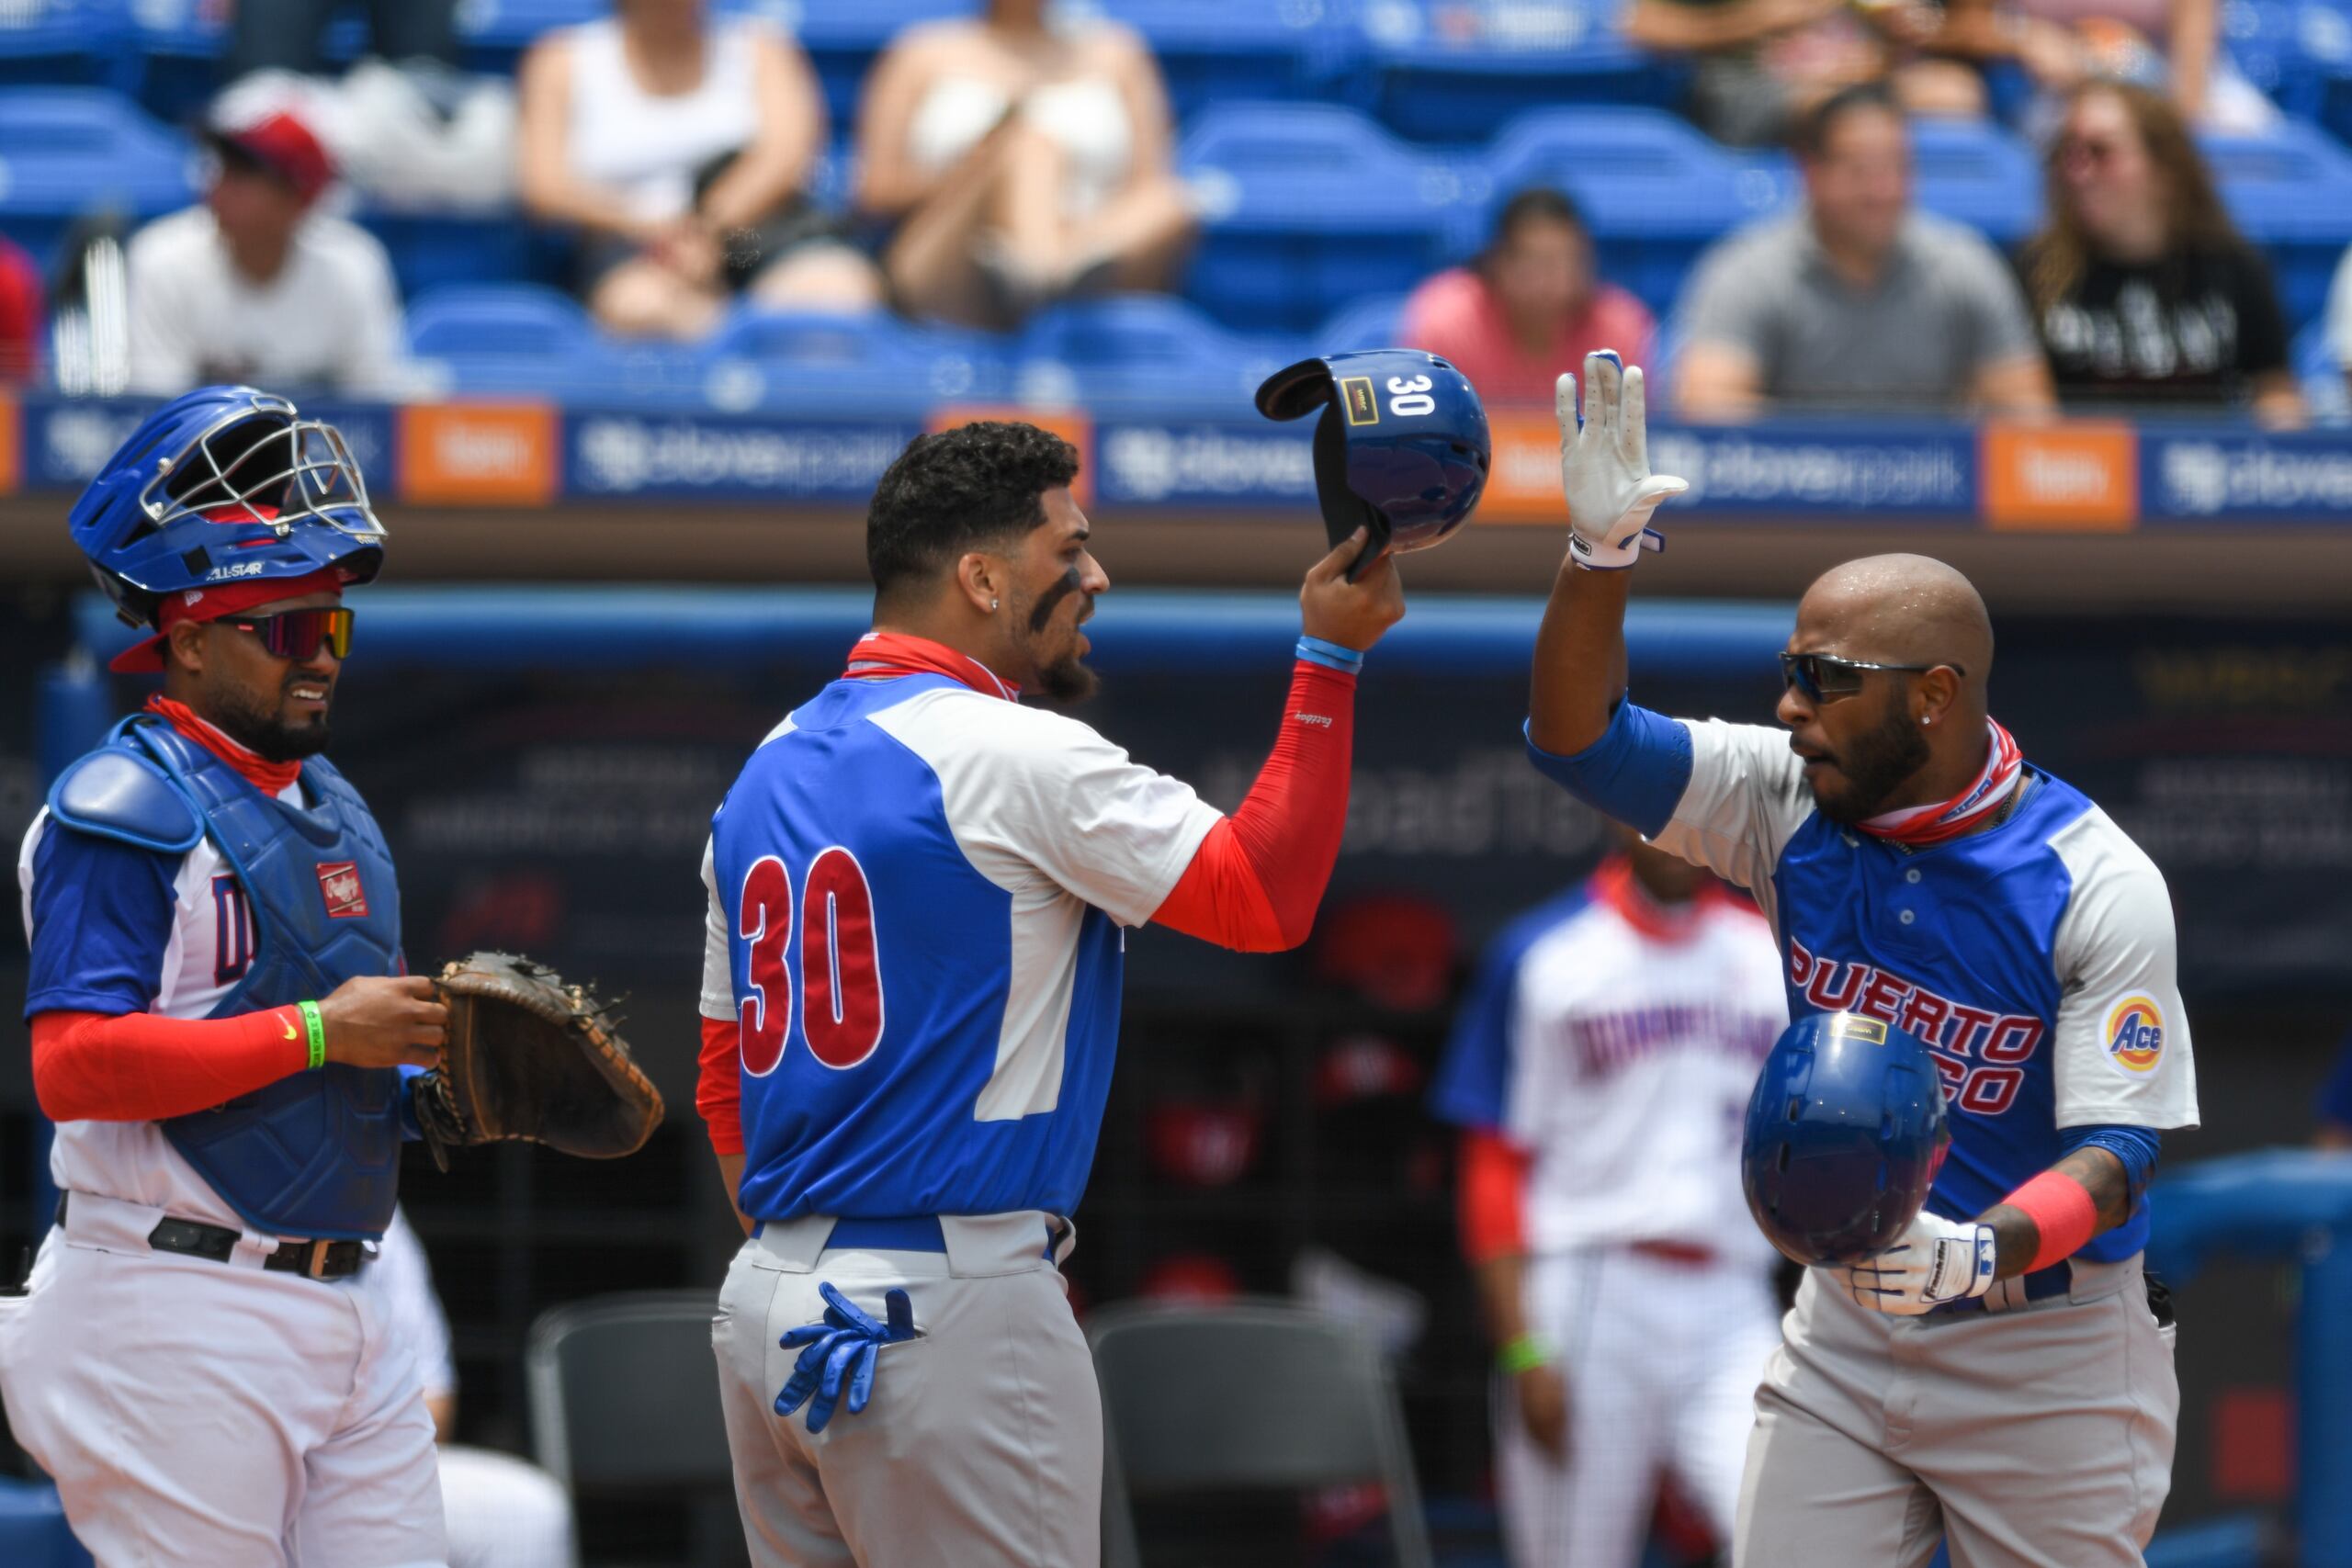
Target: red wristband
<point>2063,1215</point>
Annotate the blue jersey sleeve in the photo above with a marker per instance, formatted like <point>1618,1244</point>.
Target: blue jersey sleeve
<point>102,913</point>
<point>1635,772</point>
<point>2336,1099</point>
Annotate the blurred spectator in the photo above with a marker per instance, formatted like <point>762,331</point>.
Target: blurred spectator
<point>1857,300</point>
<point>683,144</point>
<point>503,1512</point>
<point>1019,158</point>
<point>21,315</point>
<point>2142,290</point>
<point>256,284</point>
<point>1761,64</point>
<point>288,35</point>
<point>1528,307</point>
<point>2339,319</point>
<point>2170,45</point>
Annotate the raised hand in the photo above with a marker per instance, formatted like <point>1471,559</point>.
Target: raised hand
<point>1605,465</point>
<point>1352,614</point>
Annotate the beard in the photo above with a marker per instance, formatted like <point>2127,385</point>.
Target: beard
<point>243,718</point>
<point>1066,682</point>
<point>1875,765</point>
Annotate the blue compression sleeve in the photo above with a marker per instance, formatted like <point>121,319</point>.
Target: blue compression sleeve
<point>2135,1146</point>
<point>1636,772</point>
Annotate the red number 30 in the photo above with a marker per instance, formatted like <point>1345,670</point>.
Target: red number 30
<point>841,977</point>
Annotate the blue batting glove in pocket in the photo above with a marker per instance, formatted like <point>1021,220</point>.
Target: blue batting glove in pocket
<point>841,1352</point>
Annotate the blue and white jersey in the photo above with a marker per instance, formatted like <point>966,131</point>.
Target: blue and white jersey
<point>1616,1042</point>
<point>113,930</point>
<point>2036,957</point>
<point>916,897</point>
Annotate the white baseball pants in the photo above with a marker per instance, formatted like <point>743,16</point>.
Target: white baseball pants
<point>201,1413</point>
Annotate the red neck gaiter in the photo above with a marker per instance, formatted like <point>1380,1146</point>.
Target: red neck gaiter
<point>271,778</point>
<point>878,656</point>
<point>1964,813</point>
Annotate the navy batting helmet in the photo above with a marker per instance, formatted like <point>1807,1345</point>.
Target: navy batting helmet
<point>1402,448</point>
<point>224,484</point>
<point>1845,1133</point>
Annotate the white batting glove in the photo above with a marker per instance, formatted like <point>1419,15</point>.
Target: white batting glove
<point>1605,465</point>
<point>1936,1262</point>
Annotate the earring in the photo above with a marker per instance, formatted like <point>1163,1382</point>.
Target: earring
<point>1926,718</point>
<point>991,603</point>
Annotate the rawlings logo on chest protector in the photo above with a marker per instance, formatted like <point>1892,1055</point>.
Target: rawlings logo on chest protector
<point>339,884</point>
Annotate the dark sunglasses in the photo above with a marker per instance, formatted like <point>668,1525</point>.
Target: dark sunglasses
<point>1823,679</point>
<point>298,635</point>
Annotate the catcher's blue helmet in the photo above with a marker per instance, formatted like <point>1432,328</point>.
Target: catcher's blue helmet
<point>1844,1134</point>
<point>1401,449</point>
<point>224,484</point>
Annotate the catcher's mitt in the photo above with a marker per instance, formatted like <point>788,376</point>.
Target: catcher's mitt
<point>531,1058</point>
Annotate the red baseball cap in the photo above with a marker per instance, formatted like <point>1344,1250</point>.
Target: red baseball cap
<point>285,147</point>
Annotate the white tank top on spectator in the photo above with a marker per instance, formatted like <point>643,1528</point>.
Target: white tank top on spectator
<point>650,146</point>
<point>1086,118</point>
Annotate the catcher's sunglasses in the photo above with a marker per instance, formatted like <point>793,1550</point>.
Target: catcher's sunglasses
<point>1823,679</point>
<point>298,635</point>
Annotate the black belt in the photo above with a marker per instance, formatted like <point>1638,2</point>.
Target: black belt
<point>193,1238</point>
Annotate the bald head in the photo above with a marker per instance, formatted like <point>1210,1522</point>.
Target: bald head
<point>1901,609</point>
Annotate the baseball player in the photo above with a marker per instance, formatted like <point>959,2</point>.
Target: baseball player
<point>502,1512</point>
<point>920,895</point>
<point>2000,1375</point>
<point>1599,1069</point>
<point>221,1027</point>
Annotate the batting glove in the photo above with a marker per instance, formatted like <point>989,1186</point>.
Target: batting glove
<point>1936,1262</point>
<point>1605,466</point>
<point>841,1352</point>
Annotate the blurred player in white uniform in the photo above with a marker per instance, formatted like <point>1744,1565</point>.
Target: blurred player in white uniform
<point>503,1512</point>
<point>1599,1069</point>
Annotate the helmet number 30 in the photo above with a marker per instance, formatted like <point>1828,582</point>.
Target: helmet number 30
<point>1411,395</point>
<point>838,970</point>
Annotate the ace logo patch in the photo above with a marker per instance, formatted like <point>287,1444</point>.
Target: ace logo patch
<point>339,884</point>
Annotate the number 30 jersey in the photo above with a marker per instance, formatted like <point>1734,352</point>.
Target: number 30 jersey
<point>916,895</point>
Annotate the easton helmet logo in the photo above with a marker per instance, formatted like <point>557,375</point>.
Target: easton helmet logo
<point>2136,1034</point>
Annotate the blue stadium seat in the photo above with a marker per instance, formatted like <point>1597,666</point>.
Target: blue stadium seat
<point>873,365</point>
<point>1368,324</point>
<point>33,1533</point>
<point>496,32</point>
<point>1655,190</point>
<point>2290,192</point>
<point>56,42</point>
<point>2321,376</point>
<point>517,340</point>
<point>430,250</point>
<point>1148,355</point>
<point>1458,73</point>
<point>2296,50</point>
<point>1307,207</point>
<point>66,152</point>
<point>1219,51</point>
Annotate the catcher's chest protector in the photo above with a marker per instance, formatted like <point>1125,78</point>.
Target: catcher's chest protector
<point>315,1154</point>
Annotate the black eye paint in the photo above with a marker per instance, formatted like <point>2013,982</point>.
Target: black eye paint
<point>1063,587</point>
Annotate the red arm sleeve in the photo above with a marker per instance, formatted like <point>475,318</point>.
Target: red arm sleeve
<point>88,1066</point>
<point>1256,880</point>
<point>1494,1176</point>
<point>719,1088</point>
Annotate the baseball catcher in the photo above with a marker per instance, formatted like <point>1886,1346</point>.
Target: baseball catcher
<point>531,1058</point>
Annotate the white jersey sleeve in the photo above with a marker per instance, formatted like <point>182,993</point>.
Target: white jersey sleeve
<point>2122,1054</point>
<point>1745,799</point>
<point>1024,788</point>
<point>718,975</point>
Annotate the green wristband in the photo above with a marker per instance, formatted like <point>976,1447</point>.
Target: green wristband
<point>1526,1353</point>
<point>316,1028</point>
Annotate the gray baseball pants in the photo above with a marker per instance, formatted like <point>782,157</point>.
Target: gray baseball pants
<point>2036,1437</point>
